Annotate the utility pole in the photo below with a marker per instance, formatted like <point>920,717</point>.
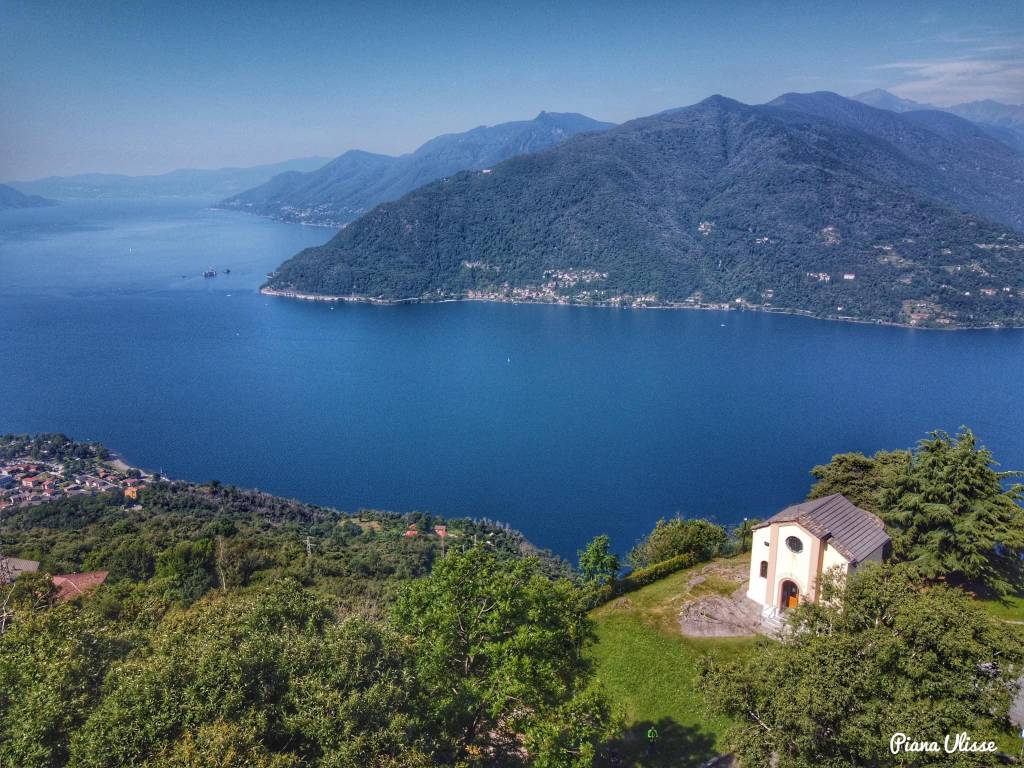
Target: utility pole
<point>220,564</point>
<point>6,578</point>
<point>6,574</point>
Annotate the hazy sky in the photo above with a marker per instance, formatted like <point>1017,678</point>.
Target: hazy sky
<point>145,87</point>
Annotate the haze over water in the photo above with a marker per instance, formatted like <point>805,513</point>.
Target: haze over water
<point>563,422</point>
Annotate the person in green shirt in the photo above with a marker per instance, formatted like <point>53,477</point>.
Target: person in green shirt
<point>652,739</point>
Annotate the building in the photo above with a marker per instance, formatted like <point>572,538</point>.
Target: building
<point>792,549</point>
<point>72,585</point>
<point>15,566</point>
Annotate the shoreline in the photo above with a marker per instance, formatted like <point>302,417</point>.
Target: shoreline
<point>356,299</point>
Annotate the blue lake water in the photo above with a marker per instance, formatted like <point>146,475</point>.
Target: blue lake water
<point>564,422</point>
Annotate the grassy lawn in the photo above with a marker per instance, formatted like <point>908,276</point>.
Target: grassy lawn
<point>1009,609</point>
<point>650,670</point>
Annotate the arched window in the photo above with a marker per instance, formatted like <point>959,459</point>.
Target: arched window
<point>794,544</point>
<point>764,569</point>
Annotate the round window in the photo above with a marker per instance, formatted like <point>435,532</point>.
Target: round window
<point>794,544</point>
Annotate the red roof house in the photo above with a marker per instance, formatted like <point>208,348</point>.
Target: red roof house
<point>72,585</point>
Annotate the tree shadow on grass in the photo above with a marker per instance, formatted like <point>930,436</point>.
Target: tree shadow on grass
<point>677,746</point>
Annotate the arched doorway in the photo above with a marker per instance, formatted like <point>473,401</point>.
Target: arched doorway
<point>790,595</point>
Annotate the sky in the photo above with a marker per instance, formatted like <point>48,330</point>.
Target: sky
<point>145,87</point>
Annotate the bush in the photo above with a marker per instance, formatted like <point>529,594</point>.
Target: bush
<point>641,577</point>
<point>677,537</point>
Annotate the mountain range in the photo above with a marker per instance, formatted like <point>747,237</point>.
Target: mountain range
<point>353,183</point>
<point>184,182</point>
<point>12,198</point>
<point>812,203</point>
<point>1003,121</point>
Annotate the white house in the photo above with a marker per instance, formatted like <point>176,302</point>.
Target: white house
<point>792,549</point>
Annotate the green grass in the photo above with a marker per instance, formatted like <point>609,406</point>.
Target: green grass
<point>1008,609</point>
<point>650,670</point>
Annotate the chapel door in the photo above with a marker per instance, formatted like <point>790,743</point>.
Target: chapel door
<point>790,594</point>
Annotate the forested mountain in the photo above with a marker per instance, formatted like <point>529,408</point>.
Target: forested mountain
<point>184,182</point>
<point>1002,121</point>
<point>956,161</point>
<point>356,181</point>
<point>815,203</point>
<point>12,198</point>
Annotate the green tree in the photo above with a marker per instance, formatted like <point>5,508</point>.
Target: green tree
<point>860,478</point>
<point>571,735</point>
<point>52,665</point>
<point>498,646</point>
<point>675,537</point>
<point>221,744</point>
<point>743,534</point>
<point>598,563</point>
<point>882,654</point>
<point>268,676</point>
<point>186,570</point>
<point>130,559</point>
<point>949,514</point>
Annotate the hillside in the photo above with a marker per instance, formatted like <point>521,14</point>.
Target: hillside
<point>230,627</point>
<point>184,182</point>
<point>12,198</point>
<point>219,536</point>
<point>953,160</point>
<point>356,181</point>
<point>1004,122</point>
<point>716,204</point>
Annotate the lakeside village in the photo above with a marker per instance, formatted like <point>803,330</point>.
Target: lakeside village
<point>47,468</point>
<point>28,480</point>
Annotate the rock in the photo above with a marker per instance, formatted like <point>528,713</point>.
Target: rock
<point>717,616</point>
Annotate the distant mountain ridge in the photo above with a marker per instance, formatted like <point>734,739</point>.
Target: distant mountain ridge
<point>976,172</point>
<point>353,183</point>
<point>1002,121</point>
<point>184,182</point>
<point>12,198</point>
<point>813,203</point>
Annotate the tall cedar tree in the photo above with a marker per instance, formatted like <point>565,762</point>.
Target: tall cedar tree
<point>947,509</point>
<point>597,562</point>
<point>950,516</point>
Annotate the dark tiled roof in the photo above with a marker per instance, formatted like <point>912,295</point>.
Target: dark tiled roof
<point>18,566</point>
<point>855,532</point>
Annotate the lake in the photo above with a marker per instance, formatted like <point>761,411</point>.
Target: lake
<point>564,422</point>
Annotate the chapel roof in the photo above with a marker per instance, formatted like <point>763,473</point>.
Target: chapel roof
<point>853,531</point>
